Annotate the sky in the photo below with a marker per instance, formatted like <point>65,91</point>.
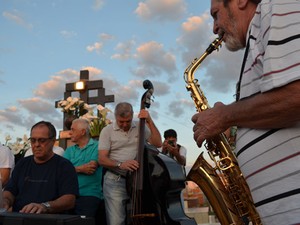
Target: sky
<point>45,44</point>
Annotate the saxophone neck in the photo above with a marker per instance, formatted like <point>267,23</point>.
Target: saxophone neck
<point>190,70</point>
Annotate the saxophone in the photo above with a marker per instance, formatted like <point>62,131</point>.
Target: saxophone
<point>223,184</point>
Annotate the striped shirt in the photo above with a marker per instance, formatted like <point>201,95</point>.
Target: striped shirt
<point>270,159</point>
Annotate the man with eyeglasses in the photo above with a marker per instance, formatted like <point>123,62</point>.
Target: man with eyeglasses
<point>43,182</point>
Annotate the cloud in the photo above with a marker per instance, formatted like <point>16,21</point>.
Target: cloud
<point>195,28</point>
<point>128,92</point>
<point>153,60</point>
<point>222,70</point>
<point>98,4</point>
<point>28,112</point>
<point>97,46</point>
<point>51,88</point>
<point>175,109</point>
<point>105,36</point>
<point>162,10</point>
<point>178,107</point>
<point>161,88</point>
<point>11,115</point>
<point>42,105</point>
<point>16,17</point>
<point>93,71</point>
<point>68,34</point>
<point>1,74</point>
<point>39,107</point>
<point>54,88</point>
<point>125,50</point>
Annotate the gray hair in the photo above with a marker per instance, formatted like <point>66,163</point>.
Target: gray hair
<point>83,124</point>
<point>123,109</point>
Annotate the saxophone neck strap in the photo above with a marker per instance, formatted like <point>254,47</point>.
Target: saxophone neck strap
<point>238,85</point>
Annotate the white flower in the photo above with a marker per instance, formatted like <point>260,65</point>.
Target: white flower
<point>7,138</point>
<point>89,116</point>
<point>73,106</point>
<point>20,146</point>
<point>100,107</point>
<point>97,123</point>
<point>25,138</point>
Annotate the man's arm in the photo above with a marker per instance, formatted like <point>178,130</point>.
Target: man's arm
<point>105,161</point>
<point>179,156</point>
<point>61,204</point>
<point>87,168</point>
<point>5,174</point>
<point>155,137</point>
<point>278,108</point>
<point>8,199</point>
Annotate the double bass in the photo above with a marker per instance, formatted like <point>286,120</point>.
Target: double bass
<point>155,188</point>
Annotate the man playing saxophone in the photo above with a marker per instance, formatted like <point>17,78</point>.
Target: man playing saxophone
<point>267,110</point>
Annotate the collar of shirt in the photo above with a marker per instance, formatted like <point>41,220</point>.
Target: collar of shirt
<point>91,142</point>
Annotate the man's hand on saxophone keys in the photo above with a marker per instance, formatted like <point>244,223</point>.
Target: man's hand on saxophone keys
<point>210,123</point>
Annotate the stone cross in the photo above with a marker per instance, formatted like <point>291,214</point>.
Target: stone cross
<point>101,98</point>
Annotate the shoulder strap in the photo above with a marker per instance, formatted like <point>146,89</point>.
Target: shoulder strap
<point>238,85</point>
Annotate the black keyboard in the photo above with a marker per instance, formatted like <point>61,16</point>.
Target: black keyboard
<point>13,218</point>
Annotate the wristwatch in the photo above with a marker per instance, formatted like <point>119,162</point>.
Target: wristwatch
<point>46,205</point>
<point>118,164</point>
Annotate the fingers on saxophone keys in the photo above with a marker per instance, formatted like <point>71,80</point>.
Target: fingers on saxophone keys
<point>199,140</point>
<point>198,135</point>
<point>195,117</point>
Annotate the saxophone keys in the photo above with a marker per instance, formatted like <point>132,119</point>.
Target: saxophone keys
<point>225,163</point>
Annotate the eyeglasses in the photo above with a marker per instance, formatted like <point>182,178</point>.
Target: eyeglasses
<point>39,140</point>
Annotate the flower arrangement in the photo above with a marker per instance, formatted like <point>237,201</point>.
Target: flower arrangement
<point>79,109</point>
<point>97,123</point>
<point>19,147</point>
<point>73,106</point>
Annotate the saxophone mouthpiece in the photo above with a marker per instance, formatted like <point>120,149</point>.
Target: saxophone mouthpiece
<point>215,44</point>
<point>220,39</point>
